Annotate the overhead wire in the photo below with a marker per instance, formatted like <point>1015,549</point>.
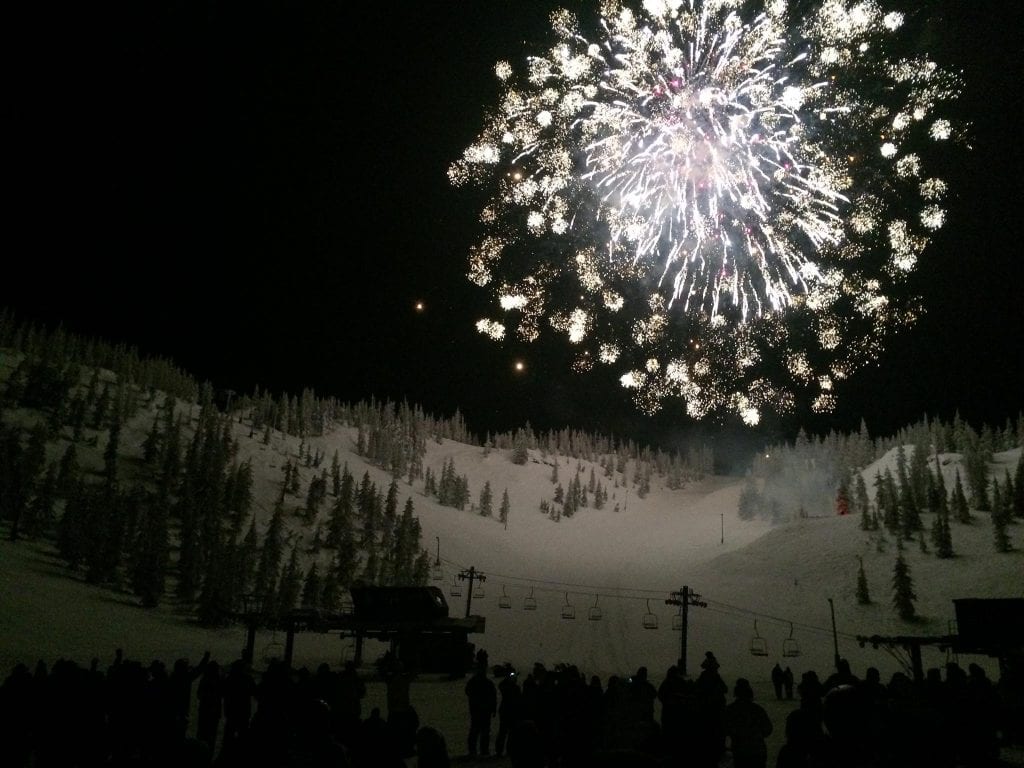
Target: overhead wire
<point>630,593</point>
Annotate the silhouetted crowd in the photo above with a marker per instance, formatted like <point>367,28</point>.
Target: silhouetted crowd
<point>132,714</point>
<point>959,721</point>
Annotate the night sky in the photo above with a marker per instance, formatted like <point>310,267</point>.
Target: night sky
<point>258,191</point>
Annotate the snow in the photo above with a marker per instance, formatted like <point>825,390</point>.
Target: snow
<point>629,562</point>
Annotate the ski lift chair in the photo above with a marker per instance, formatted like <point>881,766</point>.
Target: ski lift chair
<point>504,601</point>
<point>478,591</point>
<point>274,650</point>
<point>455,588</point>
<point>436,572</point>
<point>568,610</point>
<point>594,614</point>
<point>346,605</point>
<point>790,647</point>
<point>650,620</point>
<point>530,602</point>
<point>758,645</point>
<point>677,621</point>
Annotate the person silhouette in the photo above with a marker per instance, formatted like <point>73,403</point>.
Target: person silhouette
<point>483,704</point>
<point>778,680</point>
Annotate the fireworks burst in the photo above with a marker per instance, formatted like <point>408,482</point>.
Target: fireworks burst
<point>721,204</point>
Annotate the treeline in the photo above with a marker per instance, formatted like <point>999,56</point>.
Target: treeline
<point>178,519</point>
<point>805,477</point>
<point>170,513</point>
<point>51,361</point>
<point>677,468</point>
<point>912,502</point>
<point>394,437</point>
<point>171,516</point>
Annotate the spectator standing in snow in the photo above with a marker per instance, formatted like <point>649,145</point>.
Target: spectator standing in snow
<point>747,726</point>
<point>483,703</point>
<point>778,680</point>
<point>211,697</point>
<point>712,691</point>
<point>787,683</point>
<point>510,710</point>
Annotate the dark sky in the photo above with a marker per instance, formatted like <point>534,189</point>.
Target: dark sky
<point>257,190</point>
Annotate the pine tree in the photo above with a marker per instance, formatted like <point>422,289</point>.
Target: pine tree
<point>903,596</point>
<point>520,452</point>
<point>958,502</point>
<point>421,570</point>
<point>750,500</point>
<point>170,460</point>
<point>346,560</point>
<point>910,515</point>
<point>102,408</point>
<point>215,598</point>
<point>863,598</point>
<point>39,516</point>
<point>151,446</point>
<point>486,500</point>
<point>71,531</point>
<point>888,503</point>
<point>268,569</point>
<point>331,592</point>
<point>391,505</point>
<point>335,474</point>
<point>246,560</point>
<point>110,456</point>
<point>76,417</point>
<point>371,511</point>
<point>104,536</point>
<point>314,498</point>
<point>1018,486</point>
<point>942,536</point>
<point>311,587</point>
<point>1000,537</point>
<point>18,469</point>
<point>407,539</point>
<point>290,587</point>
<point>1008,494</point>
<point>343,509</point>
<point>938,489</point>
<point>843,497</point>
<point>976,474</point>
<point>239,495</point>
<point>150,554</point>
<point>505,509</point>
<point>862,503</point>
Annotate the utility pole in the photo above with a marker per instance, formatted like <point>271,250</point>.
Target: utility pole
<point>835,637</point>
<point>471,574</point>
<point>684,598</point>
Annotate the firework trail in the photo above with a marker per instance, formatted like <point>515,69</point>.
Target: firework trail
<point>723,204</point>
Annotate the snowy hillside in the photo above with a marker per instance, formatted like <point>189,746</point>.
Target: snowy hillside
<point>625,561</point>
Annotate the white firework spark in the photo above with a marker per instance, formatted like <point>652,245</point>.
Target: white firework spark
<point>697,190</point>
